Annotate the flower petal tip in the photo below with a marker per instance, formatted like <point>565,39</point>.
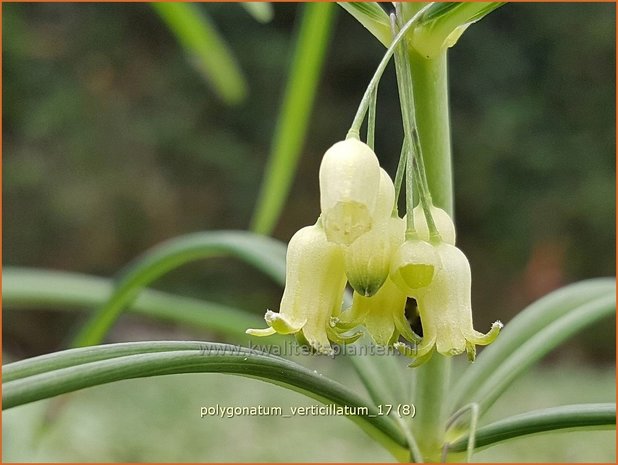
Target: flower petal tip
<point>260,332</point>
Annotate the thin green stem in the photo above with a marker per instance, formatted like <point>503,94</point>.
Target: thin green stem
<point>415,452</point>
<point>407,114</point>
<point>410,228</point>
<point>401,169</point>
<point>473,408</point>
<point>414,170</point>
<point>371,122</point>
<point>354,131</point>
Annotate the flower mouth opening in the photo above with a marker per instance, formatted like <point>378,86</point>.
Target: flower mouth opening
<point>417,275</point>
<point>346,221</point>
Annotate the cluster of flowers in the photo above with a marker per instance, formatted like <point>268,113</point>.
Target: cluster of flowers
<point>358,239</point>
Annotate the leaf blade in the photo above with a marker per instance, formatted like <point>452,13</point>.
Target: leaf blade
<point>26,288</point>
<point>260,11</point>
<point>293,121</point>
<point>372,17</point>
<point>205,47</point>
<point>267,255</point>
<point>568,417</point>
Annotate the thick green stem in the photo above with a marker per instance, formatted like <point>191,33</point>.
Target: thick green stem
<point>431,388</point>
<point>432,117</point>
<point>429,78</point>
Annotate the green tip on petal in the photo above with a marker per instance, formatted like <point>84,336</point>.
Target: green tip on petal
<point>485,339</point>
<point>314,347</point>
<point>335,336</point>
<point>420,353</point>
<point>280,324</point>
<point>406,332</point>
<point>471,351</point>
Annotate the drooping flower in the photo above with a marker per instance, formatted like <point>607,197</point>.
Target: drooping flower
<point>382,314</point>
<point>349,184</point>
<point>314,287</point>
<point>446,311</point>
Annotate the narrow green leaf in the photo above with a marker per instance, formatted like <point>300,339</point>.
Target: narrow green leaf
<point>520,329</point>
<point>76,369</point>
<point>372,17</point>
<point>261,11</point>
<point>293,122</point>
<point>370,10</point>
<point>445,11</point>
<point>25,288</point>
<point>488,389</point>
<point>267,255</point>
<point>83,355</point>
<point>564,418</point>
<point>205,48</point>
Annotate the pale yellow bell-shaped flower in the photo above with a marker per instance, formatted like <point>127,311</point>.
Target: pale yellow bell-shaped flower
<point>445,309</point>
<point>349,184</point>
<point>314,286</point>
<point>382,314</point>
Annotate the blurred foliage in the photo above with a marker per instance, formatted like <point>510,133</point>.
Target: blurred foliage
<point>112,142</point>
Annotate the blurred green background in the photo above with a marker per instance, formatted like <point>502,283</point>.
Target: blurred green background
<point>113,142</point>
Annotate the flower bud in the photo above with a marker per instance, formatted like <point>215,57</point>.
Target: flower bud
<point>314,287</point>
<point>349,183</point>
<point>386,197</point>
<point>368,259</point>
<point>444,224</point>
